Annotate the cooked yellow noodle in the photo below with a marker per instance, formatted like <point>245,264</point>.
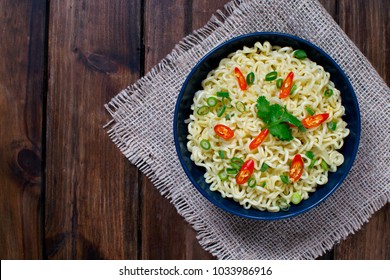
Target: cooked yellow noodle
<point>311,81</point>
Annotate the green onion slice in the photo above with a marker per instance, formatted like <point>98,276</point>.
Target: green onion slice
<point>328,93</point>
<point>212,101</point>
<point>237,160</point>
<point>221,154</point>
<point>205,144</point>
<point>284,179</point>
<point>332,125</point>
<point>264,167</point>
<point>324,165</point>
<point>271,76</point>
<point>310,155</point>
<point>231,171</point>
<point>251,182</point>
<point>263,184</point>
<point>223,94</point>
<point>279,83</point>
<point>300,54</point>
<point>296,198</point>
<point>240,106</point>
<point>235,165</point>
<point>203,110</point>
<point>250,78</point>
<point>223,176</point>
<point>221,110</point>
<point>293,89</point>
<point>309,110</point>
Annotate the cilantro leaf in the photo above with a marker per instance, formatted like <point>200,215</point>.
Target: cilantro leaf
<point>287,117</point>
<point>282,131</point>
<point>263,109</point>
<point>277,117</point>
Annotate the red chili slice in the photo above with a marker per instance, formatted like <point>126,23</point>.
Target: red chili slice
<point>286,85</point>
<point>245,172</point>
<point>223,131</point>
<point>241,79</point>
<point>258,139</point>
<point>296,168</point>
<point>314,121</point>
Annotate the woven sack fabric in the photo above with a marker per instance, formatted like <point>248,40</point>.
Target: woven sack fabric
<point>142,128</point>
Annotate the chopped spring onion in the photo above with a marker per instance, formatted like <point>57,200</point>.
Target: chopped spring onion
<point>300,54</point>
<point>237,160</point>
<point>231,171</point>
<point>309,110</point>
<point>203,110</point>
<point>221,154</point>
<point>263,184</point>
<point>251,182</point>
<point>250,78</point>
<point>284,179</point>
<point>296,198</point>
<point>271,76</point>
<point>205,144</point>
<point>310,155</point>
<point>221,110</point>
<point>212,101</point>
<point>223,176</point>
<point>236,163</point>
<point>328,93</point>
<point>332,125</point>
<point>264,167</point>
<point>279,83</point>
<point>240,106</point>
<point>223,94</point>
<point>293,89</point>
<point>324,165</point>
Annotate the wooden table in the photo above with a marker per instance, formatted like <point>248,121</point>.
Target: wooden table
<point>66,191</point>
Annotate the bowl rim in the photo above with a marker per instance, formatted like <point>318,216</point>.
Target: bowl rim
<point>287,214</point>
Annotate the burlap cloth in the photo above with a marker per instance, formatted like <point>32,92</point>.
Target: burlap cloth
<point>142,128</point>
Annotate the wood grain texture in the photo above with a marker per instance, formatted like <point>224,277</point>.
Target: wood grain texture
<point>369,29</point>
<point>92,191</point>
<point>165,234</point>
<point>22,26</point>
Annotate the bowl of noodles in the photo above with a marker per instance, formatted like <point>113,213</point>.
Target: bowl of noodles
<point>266,126</point>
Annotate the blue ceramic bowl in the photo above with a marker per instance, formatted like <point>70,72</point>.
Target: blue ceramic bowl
<point>210,62</point>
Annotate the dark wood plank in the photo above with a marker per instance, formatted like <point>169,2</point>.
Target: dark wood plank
<point>92,190</point>
<point>165,234</point>
<point>22,85</point>
<point>367,23</point>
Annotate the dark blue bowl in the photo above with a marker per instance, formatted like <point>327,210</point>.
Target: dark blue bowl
<point>210,62</point>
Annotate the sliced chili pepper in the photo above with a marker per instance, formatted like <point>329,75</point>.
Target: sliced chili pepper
<point>245,172</point>
<point>223,131</point>
<point>241,79</point>
<point>287,85</point>
<point>296,168</point>
<point>314,121</point>
<point>258,139</point>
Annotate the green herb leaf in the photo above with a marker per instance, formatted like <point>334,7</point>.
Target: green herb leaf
<point>282,131</point>
<point>277,117</point>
